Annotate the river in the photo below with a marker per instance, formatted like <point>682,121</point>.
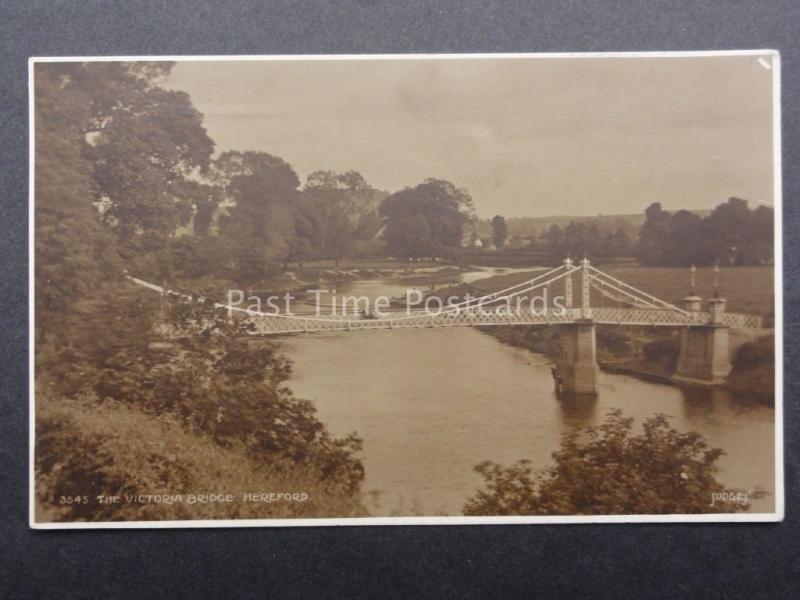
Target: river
<point>432,403</point>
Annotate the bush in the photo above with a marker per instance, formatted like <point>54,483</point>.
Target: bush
<point>210,383</point>
<point>753,368</point>
<point>659,471</point>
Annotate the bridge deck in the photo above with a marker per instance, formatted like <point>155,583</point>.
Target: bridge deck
<point>282,324</point>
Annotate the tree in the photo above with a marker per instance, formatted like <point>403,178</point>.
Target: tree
<point>144,142</point>
<point>261,191</point>
<point>686,244</point>
<point>732,234</point>
<point>610,470</point>
<point>335,207</point>
<point>216,385</point>
<point>736,235</point>
<point>410,237</point>
<point>653,236</point>
<point>553,240</point>
<point>298,251</point>
<point>426,220</point>
<point>619,244</point>
<point>499,231</point>
<point>73,252</point>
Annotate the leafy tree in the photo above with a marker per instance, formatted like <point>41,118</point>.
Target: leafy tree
<point>618,244</point>
<point>737,235</point>
<point>120,163</point>
<point>499,231</point>
<point>732,234</point>
<point>298,251</point>
<point>192,256</point>
<point>207,202</point>
<point>610,470</point>
<point>553,240</point>
<point>144,143</point>
<point>337,211</point>
<point>209,378</point>
<point>686,242</point>
<point>411,237</point>
<point>261,191</point>
<point>426,220</point>
<point>653,236</point>
<point>73,252</point>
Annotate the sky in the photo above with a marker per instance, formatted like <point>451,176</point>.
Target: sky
<point>524,136</point>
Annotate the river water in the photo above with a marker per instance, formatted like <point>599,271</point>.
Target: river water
<point>432,403</point>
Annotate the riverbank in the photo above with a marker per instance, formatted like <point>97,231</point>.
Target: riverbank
<point>652,357</point>
<point>327,275</point>
<point>651,353</point>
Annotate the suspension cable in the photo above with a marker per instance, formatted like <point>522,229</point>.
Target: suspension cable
<point>649,296</point>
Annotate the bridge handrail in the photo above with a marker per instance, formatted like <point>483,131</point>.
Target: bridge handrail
<point>493,297</point>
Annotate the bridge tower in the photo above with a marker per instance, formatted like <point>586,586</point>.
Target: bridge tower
<point>705,349</point>
<point>577,364</point>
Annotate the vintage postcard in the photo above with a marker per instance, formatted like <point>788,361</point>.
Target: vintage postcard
<point>434,289</point>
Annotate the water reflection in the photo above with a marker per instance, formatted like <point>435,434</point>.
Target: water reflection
<point>578,410</point>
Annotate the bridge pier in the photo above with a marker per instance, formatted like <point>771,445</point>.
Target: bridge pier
<point>705,349</point>
<point>577,364</point>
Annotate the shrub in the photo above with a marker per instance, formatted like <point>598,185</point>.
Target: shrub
<point>610,470</point>
<point>753,368</point>
<point>214,386</point>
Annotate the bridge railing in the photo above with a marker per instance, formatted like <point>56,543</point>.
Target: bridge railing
<point>647,316</point>
<point>737,321</point>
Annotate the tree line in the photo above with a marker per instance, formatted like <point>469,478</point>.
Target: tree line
<point>143,175</point>
<point>732,234</point>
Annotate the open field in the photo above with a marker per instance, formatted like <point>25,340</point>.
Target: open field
<point>747,289</point>
<point>348,264</point>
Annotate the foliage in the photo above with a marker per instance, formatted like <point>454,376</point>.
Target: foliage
<point>211,381</point>
<point>336,215</point>
<point>89,447</point>
<point>426,220</point>
<point>73,252</point>
<point>609,470</point>
<point>753,368</point>
<point>733,234</point>
<point>257,224</point>
<point>499,231</point>
<point>581,238</point>
<point>143,142</point>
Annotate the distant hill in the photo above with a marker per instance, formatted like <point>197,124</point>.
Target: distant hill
<point>534,226</point>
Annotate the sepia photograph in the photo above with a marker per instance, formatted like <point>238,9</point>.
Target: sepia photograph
<point>405,289</point>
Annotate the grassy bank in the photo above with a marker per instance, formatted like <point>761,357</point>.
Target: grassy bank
<point>487,285</point>
<point>88,448</point>
<point>747,289</point>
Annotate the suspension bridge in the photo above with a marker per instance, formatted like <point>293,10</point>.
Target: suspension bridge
<point>705,348</point>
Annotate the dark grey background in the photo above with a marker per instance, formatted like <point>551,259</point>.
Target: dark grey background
<point>613,561</point>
